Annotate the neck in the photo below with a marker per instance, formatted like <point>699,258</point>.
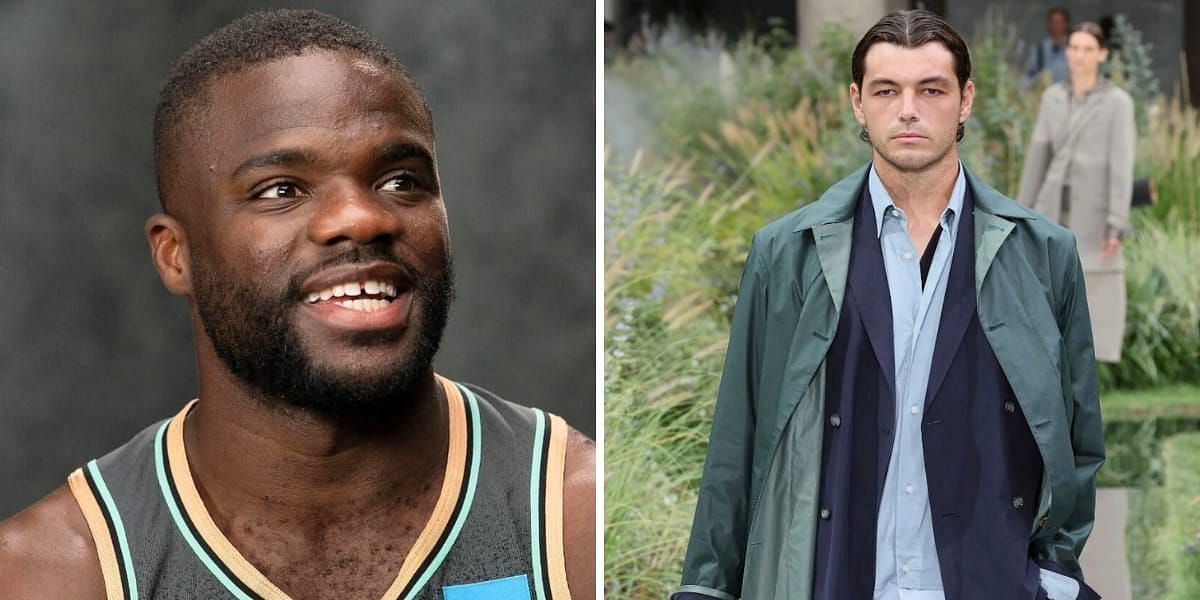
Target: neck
<point>248,452</point>
<point>922,195</point>
<point>1082,83</point>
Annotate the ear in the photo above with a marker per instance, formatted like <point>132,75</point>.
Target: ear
<point>169,253</point>
<point>856,104</point>
<point>1103,55</point>
<point>968,99</point>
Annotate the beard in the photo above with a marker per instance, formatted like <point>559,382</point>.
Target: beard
<point>254,334</point>
<point>905,162</point>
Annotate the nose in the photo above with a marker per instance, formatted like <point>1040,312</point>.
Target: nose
<point>908,106</point>
<point>352,213</point>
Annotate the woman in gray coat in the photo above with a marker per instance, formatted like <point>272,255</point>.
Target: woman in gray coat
<point>1079,172</point>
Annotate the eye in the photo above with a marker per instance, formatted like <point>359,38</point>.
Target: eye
<point>933,92</point>
<point>282,189</point>
<point>885,93</point>
<point>399,183</point>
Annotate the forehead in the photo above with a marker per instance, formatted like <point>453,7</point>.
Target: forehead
<point>319,89</point>
<point>1083,38</point>
<point>885,60</point>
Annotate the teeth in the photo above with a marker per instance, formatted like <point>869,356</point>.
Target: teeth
<point>368,305</point>
<point>354,288</point>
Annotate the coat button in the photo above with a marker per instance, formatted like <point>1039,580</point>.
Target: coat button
<point>1042,521</point>
<point>1018,502</point>
<point>825,513</point>
<point>835,420</point>
<point>1010,407</point>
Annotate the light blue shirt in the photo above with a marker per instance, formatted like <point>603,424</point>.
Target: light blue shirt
<point>1052,58</point>
<point>906,562</point>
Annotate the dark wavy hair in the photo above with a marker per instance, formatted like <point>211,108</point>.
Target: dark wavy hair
<point>913,29</point>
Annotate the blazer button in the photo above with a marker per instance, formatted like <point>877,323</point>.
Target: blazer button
<point>835,420</point>
<point>1018,502</point>
<point>825,514</point>
<point>1010,407</point>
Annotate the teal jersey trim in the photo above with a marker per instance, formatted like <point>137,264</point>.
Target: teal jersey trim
<point>468,497</point>
<point>115,516</point>
<point>184,529</point>
<point>535,502</point>
<point>507,588</point>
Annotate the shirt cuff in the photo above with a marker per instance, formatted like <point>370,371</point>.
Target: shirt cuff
<point>699,592</point>
<point>1058,586</point>
<point>1116,228</point>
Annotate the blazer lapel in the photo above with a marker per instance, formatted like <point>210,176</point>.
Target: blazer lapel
<point>959,303</point>
<point>869,285</point>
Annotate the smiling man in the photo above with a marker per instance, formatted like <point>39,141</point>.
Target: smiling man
<point>323,458</point>
<point>909,405</point>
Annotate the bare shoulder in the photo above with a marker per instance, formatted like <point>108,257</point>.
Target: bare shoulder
<point>46,551</point>
<point>579,515</point>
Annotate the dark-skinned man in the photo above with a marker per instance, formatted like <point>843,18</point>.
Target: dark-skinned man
<point>323,458</point>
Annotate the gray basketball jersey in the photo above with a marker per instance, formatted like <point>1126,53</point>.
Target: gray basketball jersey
<point>495,532</point>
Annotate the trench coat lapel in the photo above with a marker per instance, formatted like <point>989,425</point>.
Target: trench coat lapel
<point>1017,343</point>
<point>1028,366</point>
<point>830,221</point>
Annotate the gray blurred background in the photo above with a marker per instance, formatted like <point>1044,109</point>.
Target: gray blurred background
<point>94,348</point>
<point>1171,27</point>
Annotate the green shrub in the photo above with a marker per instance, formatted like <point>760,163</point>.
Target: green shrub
<point>1162,331</point>
<point>1164,528</point>
<point>1135,422</point>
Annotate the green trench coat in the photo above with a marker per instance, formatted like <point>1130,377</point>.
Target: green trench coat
<point>755,526</point>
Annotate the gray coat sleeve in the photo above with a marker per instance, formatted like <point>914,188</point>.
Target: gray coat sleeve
<point>1122,143</point>
<point>1037,158</point>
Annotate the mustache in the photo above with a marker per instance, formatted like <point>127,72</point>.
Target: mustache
<point>356,254</point>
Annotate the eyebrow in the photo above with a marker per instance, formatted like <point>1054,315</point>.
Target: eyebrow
<point>403,151</point>
<point>283,157</point>
<point>295,157</point>
<point>928,80</point>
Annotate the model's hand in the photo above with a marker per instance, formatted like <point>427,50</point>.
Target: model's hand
<point>1111,245</point>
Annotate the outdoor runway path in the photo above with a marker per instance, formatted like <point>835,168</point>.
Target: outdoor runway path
<point>1103,561</point>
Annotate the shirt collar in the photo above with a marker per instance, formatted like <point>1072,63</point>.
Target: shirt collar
<point>881,200</point>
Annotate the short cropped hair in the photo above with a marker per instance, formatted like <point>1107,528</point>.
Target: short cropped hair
<point>913,29</point>
<point>1058,10</point>
<point>251,40</point>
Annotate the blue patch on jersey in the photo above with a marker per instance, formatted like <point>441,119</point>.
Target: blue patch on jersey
<point>508,588</point>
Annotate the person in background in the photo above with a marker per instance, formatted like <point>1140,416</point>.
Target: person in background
<point>1079,172</point>
<point>1050,53</point>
